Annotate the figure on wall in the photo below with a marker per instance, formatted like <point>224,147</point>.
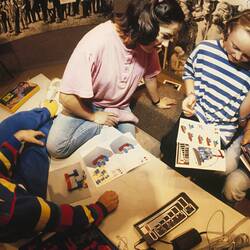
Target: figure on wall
<point>177,60</point>
<point>189,30</point>
<point>7,10</point>
<point>15,16</point>
<point>201,14</point>
<point>222,13</point>
<point>3,19</point>
<point>21,8</point>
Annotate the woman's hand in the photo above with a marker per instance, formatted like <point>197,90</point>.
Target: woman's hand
<point>106,118</point>
<point>188,105</point>
<point>110,200</point>
<point>29,136</point>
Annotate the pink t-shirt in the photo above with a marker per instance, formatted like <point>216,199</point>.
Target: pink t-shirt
<point>102,68</point>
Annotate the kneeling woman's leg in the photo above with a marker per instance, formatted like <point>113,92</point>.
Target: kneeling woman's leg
<point>127,121</point>
<point>32,119</point>
<point>125,127</point>
<point>68,133</point>
<point>33,165</point>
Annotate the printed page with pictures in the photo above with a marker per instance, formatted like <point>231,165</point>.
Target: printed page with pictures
<point>199,147</point>
<point>113,158</point>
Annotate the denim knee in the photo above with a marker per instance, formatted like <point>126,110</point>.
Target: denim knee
<point>63,143</point>
<point>56,149</point>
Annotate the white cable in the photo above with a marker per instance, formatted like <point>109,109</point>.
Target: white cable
<point>227,240</point>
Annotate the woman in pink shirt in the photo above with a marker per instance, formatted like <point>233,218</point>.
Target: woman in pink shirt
<point>104,71</point>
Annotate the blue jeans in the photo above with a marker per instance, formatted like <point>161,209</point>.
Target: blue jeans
<point>32,166</point>
<point>68,133</point>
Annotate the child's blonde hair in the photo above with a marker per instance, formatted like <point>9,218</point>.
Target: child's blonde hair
<point>242,20</point>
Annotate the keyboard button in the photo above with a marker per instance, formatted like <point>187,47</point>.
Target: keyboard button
<point>179,206</point>
<point>170,214</point>
<point>153,235</point>
<point>189,209</point>
<point>160,230</point>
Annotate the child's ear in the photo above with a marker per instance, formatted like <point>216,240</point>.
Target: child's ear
<point>226,33</point>
<point>228,30</point>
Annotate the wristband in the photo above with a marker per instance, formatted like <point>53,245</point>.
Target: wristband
<point>155,103</point>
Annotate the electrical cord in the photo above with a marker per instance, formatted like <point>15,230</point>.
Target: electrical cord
<point>140,241</point>
<point>226,240</point>
<point>149,248</point>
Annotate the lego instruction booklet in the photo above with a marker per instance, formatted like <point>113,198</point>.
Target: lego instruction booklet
<point>115,155</point>
<point>199,147</point>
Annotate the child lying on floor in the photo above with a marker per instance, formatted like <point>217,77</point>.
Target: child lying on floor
<point>24,167</point>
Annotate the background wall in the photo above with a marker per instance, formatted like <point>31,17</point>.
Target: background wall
<point>33,37</point>
<point>21,18</point>
<point>41,49</point>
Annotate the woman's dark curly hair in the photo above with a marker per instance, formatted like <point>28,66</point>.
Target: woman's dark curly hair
<point>141,19</point>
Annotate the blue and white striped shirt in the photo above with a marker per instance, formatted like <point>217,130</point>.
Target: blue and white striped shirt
<point>220,87</point>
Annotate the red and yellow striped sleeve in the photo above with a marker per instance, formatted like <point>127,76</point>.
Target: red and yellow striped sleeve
<point>8,155</point>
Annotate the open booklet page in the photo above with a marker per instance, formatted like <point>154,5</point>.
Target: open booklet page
<point>199,147</point>
<point>115,155</point>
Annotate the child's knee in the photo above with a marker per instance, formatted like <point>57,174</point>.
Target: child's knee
<point>237,183</point>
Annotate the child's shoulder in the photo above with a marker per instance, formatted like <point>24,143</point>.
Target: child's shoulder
<point>208,43</point>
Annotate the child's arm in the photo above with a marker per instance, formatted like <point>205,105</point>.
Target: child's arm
<point>245,110</point>
<point>9,151</point>
<point>25,214</point>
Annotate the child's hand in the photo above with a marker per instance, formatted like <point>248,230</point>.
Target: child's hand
<point>110,200</point>
<point>188,105</point>
<point>29,136</point>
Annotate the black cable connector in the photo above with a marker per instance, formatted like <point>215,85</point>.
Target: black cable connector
<point>187,240</point>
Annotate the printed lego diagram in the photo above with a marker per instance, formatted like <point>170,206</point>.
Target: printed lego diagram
<point>113,159</point>
<point>199,146</point>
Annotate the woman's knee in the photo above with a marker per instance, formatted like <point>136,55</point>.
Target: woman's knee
<point>56,151</point>
<point>61,145</point>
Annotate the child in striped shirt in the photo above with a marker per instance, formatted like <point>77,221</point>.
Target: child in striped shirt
<point>217,80</point>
